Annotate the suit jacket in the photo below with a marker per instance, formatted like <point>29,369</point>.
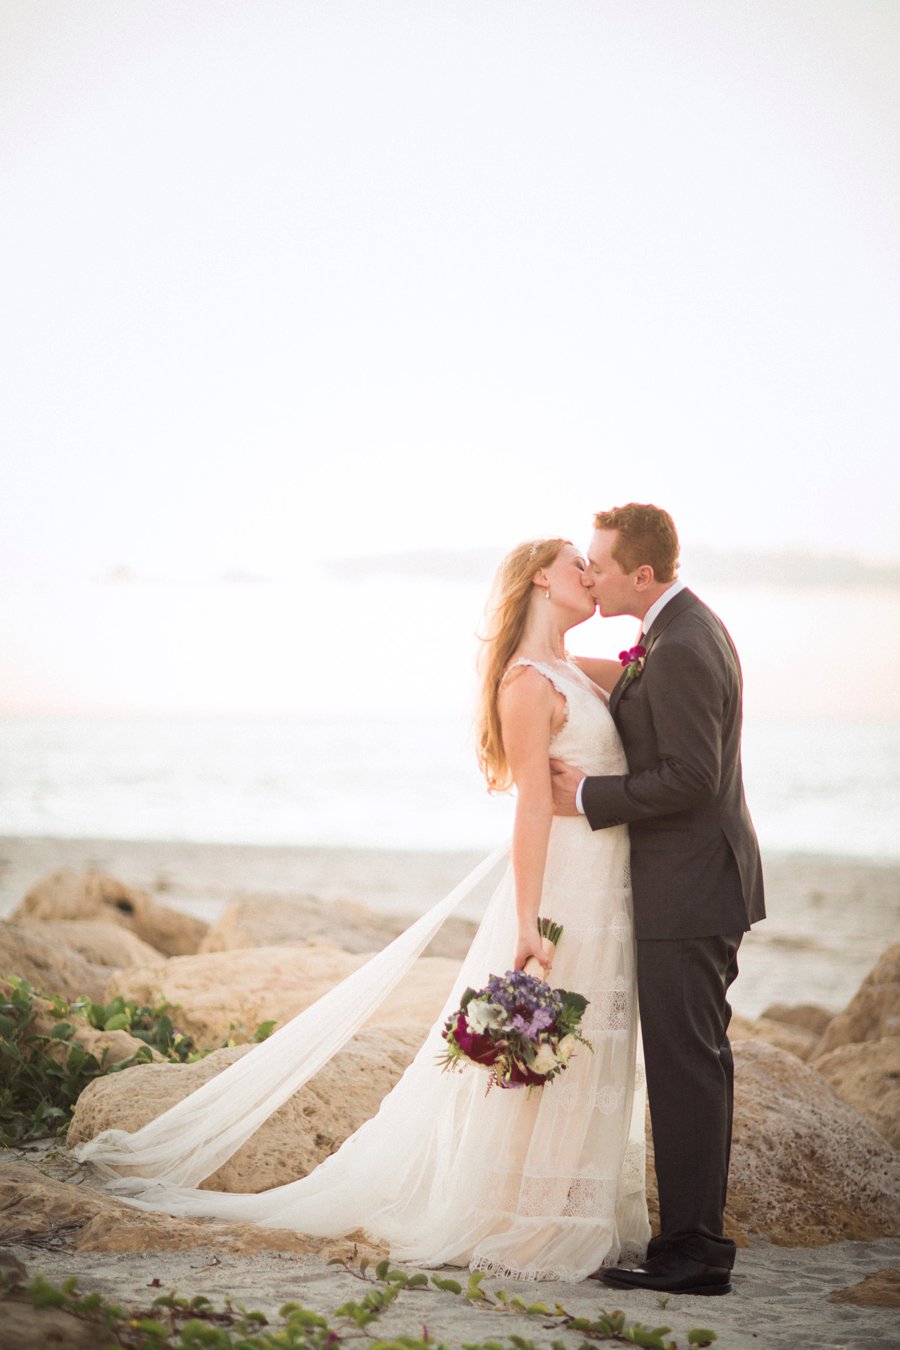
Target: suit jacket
<point>695,863</point>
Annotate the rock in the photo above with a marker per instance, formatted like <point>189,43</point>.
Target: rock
<point>875,1010</point>
<point>229,993</point>
<point>867,1075</point>
<point>807,1016</point>
<point>71,957</point>
<point>34,1207</point>
<point>102,943</point>
<point>791,1038</point>
<point>11,1268</point>
<point>806,1168</point>
<point>67,894</point>
<point>25,1327</point>
<point>303,1131</point>
<point>271,921</point>
<point>48,964</point>
<point>879,1290</point>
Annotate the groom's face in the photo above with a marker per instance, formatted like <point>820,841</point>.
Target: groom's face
<point>612,589</point>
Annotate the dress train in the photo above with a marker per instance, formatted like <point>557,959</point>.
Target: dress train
<point>547,1185</point>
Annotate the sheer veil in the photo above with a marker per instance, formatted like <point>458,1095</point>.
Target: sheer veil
<point>194,1137</point>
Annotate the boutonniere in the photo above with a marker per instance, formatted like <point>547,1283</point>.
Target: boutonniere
<point>633,661</point>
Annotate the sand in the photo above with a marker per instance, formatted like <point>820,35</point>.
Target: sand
<point>780,1295</point>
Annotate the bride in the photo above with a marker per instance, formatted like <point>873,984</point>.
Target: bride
<point>547,1185</point>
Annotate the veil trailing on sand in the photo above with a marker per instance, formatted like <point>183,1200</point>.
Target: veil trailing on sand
<point>190,1141</point>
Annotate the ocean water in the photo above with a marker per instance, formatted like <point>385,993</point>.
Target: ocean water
<point>815,786</point>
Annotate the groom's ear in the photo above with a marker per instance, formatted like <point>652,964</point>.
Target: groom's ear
<point>643,577</point>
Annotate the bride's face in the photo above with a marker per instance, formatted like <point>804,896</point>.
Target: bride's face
<point>566,575</point>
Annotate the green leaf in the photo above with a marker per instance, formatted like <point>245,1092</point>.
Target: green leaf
<point>118,1022</point>
<point>701,1336</point>
<point>448,1286</point>
<point>148,1325</point>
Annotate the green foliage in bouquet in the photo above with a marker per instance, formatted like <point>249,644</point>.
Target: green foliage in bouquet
<point>43,1072</point>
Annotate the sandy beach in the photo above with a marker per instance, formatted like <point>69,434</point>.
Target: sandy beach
<point>831,920</point>
<point>780,1299</point>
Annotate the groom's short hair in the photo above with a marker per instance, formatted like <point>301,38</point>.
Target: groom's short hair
<point>647,534</point>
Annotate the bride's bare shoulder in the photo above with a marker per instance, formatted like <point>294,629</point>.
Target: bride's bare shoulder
<point>524,675</point>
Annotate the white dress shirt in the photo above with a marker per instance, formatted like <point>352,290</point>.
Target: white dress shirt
<point>652,613</point>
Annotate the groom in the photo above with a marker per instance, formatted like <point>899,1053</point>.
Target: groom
<point>696,878</point>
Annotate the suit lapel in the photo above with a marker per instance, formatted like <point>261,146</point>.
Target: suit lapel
<point>677,605</point>
<point>618,690</point>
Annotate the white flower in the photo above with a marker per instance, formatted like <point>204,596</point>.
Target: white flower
<point>483,1016</point>
<point>545,1060</point>
<point>566,1046</point>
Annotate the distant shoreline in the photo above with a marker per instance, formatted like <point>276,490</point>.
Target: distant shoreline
<point>211,870</point>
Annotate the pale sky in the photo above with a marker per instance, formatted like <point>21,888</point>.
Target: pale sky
<point>295,279</point>
<point>287,281</point>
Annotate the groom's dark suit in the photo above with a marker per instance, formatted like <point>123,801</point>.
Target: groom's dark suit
<point>697,883</point>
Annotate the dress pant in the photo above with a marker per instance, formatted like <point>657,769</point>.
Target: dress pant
<point>682,990</point>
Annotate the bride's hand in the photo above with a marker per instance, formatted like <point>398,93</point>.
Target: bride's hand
<point>530,943</point>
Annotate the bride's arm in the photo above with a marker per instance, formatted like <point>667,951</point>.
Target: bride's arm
<point>527,706</point>
<point>604,673</point>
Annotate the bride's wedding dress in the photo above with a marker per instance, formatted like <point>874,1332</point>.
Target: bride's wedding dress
<point>546,1186</point>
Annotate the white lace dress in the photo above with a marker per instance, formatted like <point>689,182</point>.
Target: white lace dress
<point>546,1186</point>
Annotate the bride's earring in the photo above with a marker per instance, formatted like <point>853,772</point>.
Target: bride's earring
<point>547,592</point>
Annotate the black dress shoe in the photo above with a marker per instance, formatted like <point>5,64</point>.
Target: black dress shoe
<point>670,1273</point>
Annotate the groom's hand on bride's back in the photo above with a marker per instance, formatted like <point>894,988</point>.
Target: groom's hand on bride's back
<point>564,781</point>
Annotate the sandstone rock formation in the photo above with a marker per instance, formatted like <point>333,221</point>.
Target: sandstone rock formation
<point>867,1075</point>
<point>874,1012</point>
<point>303,1131</point>
<point>807,1016</point>
<point>271,921</point>
<point>48,963</point>
<point>35,1207</point>
<point>67,894</point>
<point>98,941</point>
<point>24,1327</point>
<point>781,1034</point>
<point>69,958</point>
<point>229,993</point>
<point>806,1167</point>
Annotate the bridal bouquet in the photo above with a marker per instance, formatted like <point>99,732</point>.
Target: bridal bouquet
<point>517,1027</point>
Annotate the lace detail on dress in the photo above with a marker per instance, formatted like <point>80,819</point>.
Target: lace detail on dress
<point>610,1010</point>
<point>634,1167</point>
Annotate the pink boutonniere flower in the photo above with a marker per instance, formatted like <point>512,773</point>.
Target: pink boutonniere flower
<point>633,661</point>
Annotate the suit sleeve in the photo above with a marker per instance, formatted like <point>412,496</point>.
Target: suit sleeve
<point>687,694</point>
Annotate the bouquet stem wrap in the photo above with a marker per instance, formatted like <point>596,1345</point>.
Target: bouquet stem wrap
<point>551,933</point>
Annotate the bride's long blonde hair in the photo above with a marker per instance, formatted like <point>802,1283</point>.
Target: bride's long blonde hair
<point>505,618</point>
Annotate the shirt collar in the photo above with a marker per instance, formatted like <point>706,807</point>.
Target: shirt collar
<point>659,605</point>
